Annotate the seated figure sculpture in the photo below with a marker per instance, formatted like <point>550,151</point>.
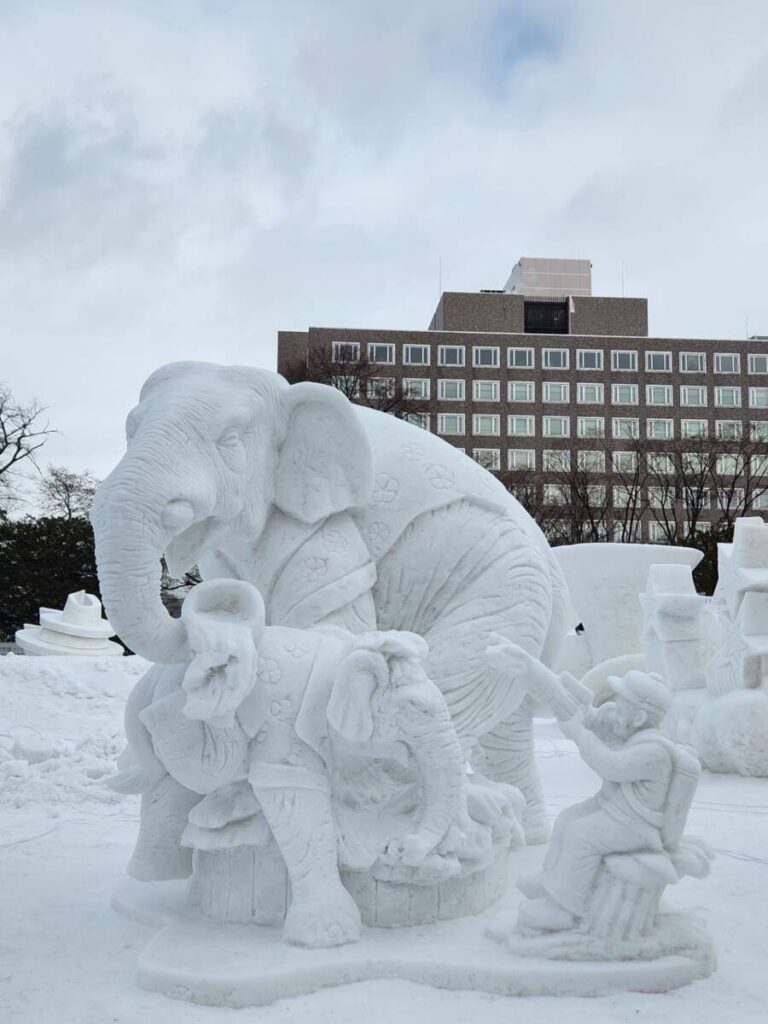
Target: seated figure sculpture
<point>277,735</point>
<point>611,856</point>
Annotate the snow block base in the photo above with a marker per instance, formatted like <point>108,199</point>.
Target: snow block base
<point>213,964</point>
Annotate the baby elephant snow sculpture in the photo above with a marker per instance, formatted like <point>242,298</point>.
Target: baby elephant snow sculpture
<point>273,734</point>
<point>612,856</point>
<point>338,515</point>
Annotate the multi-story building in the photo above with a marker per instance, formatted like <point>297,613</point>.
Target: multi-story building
<point>542,375</point>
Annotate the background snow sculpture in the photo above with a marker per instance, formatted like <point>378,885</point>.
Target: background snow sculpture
<point>339,516</point>
<point>78,630</point>
<point>673,627</point>
<point>611,856</point>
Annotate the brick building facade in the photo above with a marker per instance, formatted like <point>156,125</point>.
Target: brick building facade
<point>533,383</point>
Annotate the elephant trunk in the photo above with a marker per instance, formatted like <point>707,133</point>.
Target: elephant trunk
<point>129,544</point>
<point>440,761</point>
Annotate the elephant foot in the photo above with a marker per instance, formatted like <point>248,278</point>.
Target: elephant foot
<point>535,825</point>
<point>329,917</point>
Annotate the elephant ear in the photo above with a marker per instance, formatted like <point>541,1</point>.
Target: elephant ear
<point>350,709</point>
<point>325,464</point>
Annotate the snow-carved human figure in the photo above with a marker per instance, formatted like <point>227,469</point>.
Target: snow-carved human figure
<point>610,856</point>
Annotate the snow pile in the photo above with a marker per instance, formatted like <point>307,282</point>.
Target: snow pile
<point>61,728</point>
<point>731,733</point>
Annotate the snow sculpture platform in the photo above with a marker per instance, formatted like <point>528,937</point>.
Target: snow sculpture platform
<point>201,961</point>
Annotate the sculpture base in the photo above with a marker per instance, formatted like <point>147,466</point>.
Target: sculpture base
<point>214,964</point>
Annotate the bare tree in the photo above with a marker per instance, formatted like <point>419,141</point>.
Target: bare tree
<point>23,431</point>
<point>362,381</point>
<point>67,494</point>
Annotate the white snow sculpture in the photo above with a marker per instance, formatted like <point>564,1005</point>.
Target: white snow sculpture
<point>280,733</point>
<point>611,857</point>
<point>741,601</point>
<point>672,630</point>
<point>339,515</point>
<point>77,630</point>
<point>604,583</point>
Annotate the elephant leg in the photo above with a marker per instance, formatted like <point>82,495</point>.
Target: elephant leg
<point>322,913</point>
<point>506,754</point>
<point>158,854</point>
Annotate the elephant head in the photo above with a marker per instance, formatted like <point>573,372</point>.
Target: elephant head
<point>382,693</point>
<point>210,451</point>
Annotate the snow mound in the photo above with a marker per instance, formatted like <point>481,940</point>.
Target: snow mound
<point>731,733</point>
<point>61,728</point>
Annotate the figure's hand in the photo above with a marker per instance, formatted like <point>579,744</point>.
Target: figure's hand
<point>508,658</point>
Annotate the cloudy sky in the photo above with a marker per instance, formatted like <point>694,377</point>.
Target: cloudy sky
<point>182,178</point>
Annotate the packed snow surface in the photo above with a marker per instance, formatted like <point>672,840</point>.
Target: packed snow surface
<point>66,958</point>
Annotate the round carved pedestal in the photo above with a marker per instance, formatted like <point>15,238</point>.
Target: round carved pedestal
<point>250,885</point>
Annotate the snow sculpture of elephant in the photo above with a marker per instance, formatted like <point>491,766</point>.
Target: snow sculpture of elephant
<point>267,725</point>
<point>340,516</point>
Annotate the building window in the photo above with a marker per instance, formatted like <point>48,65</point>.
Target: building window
<point>348,384</point>
<point>624,426</point>
<point>693,362</point>
<point>658,394</point>
<point>759,465</point>
<point>660,430</point>
<point>623,360</point>
<point>661,463</point>
<point>728,398</point>
<point>591,462</point>
<point>729,465</point>
<point>624,394</point>
<point>451,423</point>
<point>418,419</point>
<point>520,426</point>
<point>758,398</point>
<point>549,316</point>
<point>758,430</point>
<point>450,355</point>
<point>760,501</point>
<point>450,390</point>
<point>382,354</point>
<point>381,387</point>
<point>622,496</point>
<point>485,356</point>
<point>489,458</point>
<point>728,430</point>
<point>658,362</point>
<point>521,458</point>
<point>520,391</point>
<point>485,390</point>
<point>556,426</point>
<point>555,358</point>
<point>727,362</point>
<point>661,497</point>
<point>624,462</point>
<point>692,395</point>
<point>658,533</point>
<point>696,497</point>
<point>556,393</point>
<point>758,363</point>
<point>416,355</point>
<point>590,426</point>
<point>589,394</point>
<point>556,494</point>
<point>589,359</point>
<point>345,351</point>
<point>417,387</point>
<point>484,424</point>
<point>694,462</point>
<point>520,358</point>
<point>730,498</point>
<point>595,494</point>
<point>694,428</point>
<point>556,460</point>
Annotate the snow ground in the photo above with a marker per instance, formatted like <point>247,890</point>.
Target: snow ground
<point>66,958</point>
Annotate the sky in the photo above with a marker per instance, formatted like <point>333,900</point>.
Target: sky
<point>180,179</point>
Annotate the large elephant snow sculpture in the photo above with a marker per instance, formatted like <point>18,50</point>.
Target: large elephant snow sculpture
<point>340,516</point>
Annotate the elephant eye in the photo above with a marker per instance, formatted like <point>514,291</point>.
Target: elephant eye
<point>229,440</point>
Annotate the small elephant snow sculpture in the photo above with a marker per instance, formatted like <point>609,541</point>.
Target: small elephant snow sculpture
<point>611,856</point>
<point>267,727</point>
<point>339,515</point>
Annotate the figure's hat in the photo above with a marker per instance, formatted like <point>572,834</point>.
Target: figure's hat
<point>645,689</point>
<point>81,617</point>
